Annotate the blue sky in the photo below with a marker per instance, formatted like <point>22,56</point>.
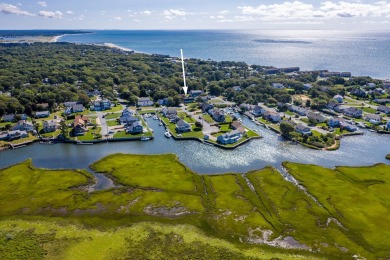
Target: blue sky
<point>199,14</point>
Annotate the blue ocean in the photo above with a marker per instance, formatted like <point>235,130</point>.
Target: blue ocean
<point>361,53</point>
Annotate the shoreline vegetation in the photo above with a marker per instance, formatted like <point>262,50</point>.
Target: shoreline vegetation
<point>160,208</point>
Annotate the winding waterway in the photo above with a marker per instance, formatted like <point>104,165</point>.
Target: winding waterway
<point>366,149</point>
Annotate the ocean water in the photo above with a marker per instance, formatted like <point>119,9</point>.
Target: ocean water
<point>362,53</point>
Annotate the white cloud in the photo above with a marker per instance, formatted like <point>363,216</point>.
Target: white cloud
<point>11,9</point>
<point>49,14</point>
<point>103,12</point>
<point>117,18</point>
<point>69,12</point>
<point>146,12</point>
<point>43,4</point>
<point>137,20</point>
<point>224,12</point>
<point>173,13</point>
<point>326,10</point>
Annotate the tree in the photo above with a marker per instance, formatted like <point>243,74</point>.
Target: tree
<point>286,128</point>
<point>64,130</point>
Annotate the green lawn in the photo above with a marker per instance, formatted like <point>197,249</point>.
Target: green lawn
<point>368,110</point>
<point>112,122</point>
<point>114,109</point>
<point>208,119</point>
<point>113,115</point>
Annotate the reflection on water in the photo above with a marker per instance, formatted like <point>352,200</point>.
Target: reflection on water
<point>367,149</point>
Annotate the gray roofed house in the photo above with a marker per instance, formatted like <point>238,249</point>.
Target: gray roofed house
<point>353,112</point>
<point>373,119</point>
<point>317,117</point>
<point>206,107</point>
<point>9,118</point>
<point>50,126</point>
<point>384,109</point>
<point>70,103</point>
<point>182,126</point>
<point>23,125</point>
<point>135,128</point>
<point>299,110</point>
<point>195,93</point>
<point>304,130</point>
<point>145,102</point>
<point>42,114</point>
<point>77,108</point>
<point>230,137</point>
<point>217,114</point>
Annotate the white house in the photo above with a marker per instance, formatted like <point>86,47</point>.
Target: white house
<point>339,98</point>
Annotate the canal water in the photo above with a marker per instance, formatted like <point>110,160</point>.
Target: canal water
<point>366,149</point>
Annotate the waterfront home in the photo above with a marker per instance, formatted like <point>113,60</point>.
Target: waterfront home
<point>80,125</point>
<point>302,129</point>
<point>16,134</point>
<point>144,102</point>
<point>3,135</point>
<point>347,126</point>
<point>338,98</point>
<point>135,128</point>
<point>353,112</point>
<point>273,116</point>
<point>169,112</point>
<point>238,126</point>
<point>77,108</point>
<point>182,126</point>
<point>246,107</point>
<point>217,114</point>
<point>316,117</point>
<point>229,138</point>
<point>195,93</point>
<point>373,119</point>
<point>206,107</point>
<point>50,126</point>
<point>42,114</point>
<point>100,105</point>
<point>359,92</point>
<point>277,85</point>
<point>384,109</point>
<point>127,119</point>
<point>299,110</point>
<point>23,125</point>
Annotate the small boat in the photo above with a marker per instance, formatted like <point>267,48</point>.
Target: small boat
<point>160,124</point>
<point>252,120</point>
<point>155,118</point>
<point>371,130</point>
<point>145,138</point>
<point>257,123</point>
<point>167,134</point>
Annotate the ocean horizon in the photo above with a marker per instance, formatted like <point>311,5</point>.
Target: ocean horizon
<point>363,53</point>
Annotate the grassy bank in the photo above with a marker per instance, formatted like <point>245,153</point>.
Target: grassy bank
<point>232,216</point>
